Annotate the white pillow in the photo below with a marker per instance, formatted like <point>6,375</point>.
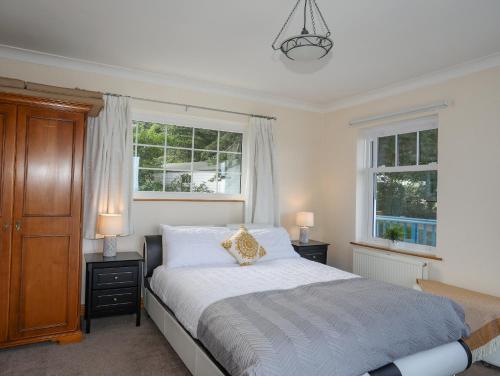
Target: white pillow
<point>195,245</point>
<point>248,226</point>
<point>275,241</point>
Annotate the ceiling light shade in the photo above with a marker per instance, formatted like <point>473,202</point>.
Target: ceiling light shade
<point>306,46</point>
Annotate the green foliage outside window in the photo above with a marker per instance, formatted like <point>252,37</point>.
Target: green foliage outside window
<point>407,194</point>
<point>180,159</point>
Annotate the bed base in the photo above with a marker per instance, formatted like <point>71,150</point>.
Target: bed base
<point>493,358</point>
<point>446,360</point>
<point>192,353</point>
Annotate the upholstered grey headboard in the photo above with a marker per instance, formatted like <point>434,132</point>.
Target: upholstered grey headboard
<point>153,254</point>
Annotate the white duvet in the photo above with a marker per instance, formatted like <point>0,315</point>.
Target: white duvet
<point>187,291</point>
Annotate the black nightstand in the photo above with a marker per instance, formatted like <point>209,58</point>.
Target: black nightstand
<point>314,250</point>
<point>113,285</point>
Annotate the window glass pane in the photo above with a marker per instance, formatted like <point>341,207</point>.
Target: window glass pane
<point>150,156</point>
<point>386,151</point>
<point>204,181</point>
<point>164,159</point>
<point>134,131</point>
<point>230,163</point>
<point>205,139</point>
<point>407,201</point>
<point>407,149</point>
<point>204,160</point>
<point>150,180</point>
<point>229,183</point>
<point>150,133</point>
<point>230,141</point>
<point>428,146</point>
<point>177,181</point>
<point>181,137</point>
<point>178,159</point>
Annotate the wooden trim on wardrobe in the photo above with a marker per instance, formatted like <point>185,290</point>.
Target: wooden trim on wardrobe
<point>43,101</point>
<point>62,339</point>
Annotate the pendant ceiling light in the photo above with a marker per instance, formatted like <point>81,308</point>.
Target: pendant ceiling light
<point>306,46</point>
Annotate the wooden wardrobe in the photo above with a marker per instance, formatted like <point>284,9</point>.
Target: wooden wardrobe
<point>41,158</point>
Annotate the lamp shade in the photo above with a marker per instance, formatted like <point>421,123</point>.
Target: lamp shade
<point>305,219</point>
<point>109,224</point>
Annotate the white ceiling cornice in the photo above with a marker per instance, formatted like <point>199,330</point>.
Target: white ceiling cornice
<point>428,79</point>
<point>172,80</point>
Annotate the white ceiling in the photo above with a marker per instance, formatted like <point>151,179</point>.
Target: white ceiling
<point>227,42</point>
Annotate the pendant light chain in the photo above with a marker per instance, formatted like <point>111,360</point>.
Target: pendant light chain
<point>312,16</point>
<point>284,25</point>
<point>328,33</point>
<point>304,29</point>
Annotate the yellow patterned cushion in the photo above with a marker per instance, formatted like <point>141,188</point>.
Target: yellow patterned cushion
<point>243,247</point>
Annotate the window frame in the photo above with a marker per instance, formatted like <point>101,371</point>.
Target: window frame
<point>367,169</point>
<point>194,122</point>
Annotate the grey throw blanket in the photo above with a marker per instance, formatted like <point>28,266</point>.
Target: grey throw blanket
<point>338,328</point>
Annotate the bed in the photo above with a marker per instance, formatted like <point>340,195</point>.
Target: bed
<point>182,300</point>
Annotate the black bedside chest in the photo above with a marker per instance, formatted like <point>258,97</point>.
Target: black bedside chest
<point>314,250</point>
<point>112,285</point>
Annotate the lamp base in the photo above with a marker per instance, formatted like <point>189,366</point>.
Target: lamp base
<point>109,246</point>
<point>304,235</point>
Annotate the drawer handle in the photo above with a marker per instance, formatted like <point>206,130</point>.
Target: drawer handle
<point>115,300</point>
<point>116,277</point>
<point>314,257</point>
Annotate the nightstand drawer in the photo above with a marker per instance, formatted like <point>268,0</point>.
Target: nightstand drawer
<point>314,250</point>
<point>105,278</point>
<point>115,299</point>
<point>307,250</point>
<point>315,256</point>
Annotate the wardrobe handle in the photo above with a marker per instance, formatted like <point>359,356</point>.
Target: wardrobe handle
<point>18,225</point>
<point>6,226</point>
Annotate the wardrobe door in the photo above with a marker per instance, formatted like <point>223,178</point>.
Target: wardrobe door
<point>45,282</point>
<point>7,150</point>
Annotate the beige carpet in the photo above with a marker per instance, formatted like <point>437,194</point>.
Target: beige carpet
<point>115,347</point>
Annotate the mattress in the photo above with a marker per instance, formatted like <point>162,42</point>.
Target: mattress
<point>188,291</point>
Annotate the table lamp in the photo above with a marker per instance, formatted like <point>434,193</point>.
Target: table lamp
<point>305,220</point>
<point>109,225</point>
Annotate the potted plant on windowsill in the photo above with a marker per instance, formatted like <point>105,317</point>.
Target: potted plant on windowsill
<point>395,234</point>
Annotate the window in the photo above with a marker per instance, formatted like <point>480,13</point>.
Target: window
<point>400,175</point>
<point>170,156</point>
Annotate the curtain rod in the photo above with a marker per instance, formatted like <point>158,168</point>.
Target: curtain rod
<point>188,106</point>
<point>407,111</point>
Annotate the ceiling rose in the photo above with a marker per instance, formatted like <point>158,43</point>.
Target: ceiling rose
<point>306,46</point>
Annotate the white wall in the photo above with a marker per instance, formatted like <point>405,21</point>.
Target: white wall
<point>468,232</point>
<point>298,134</point>
<point>317,161</point>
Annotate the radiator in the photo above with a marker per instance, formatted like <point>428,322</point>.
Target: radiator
<point>387,267</point>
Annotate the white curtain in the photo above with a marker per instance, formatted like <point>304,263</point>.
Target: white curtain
<point>108,165</point>
<point>262,201</point>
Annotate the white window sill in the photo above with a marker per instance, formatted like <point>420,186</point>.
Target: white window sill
<point>414,250</point>
<point>187,196</point>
